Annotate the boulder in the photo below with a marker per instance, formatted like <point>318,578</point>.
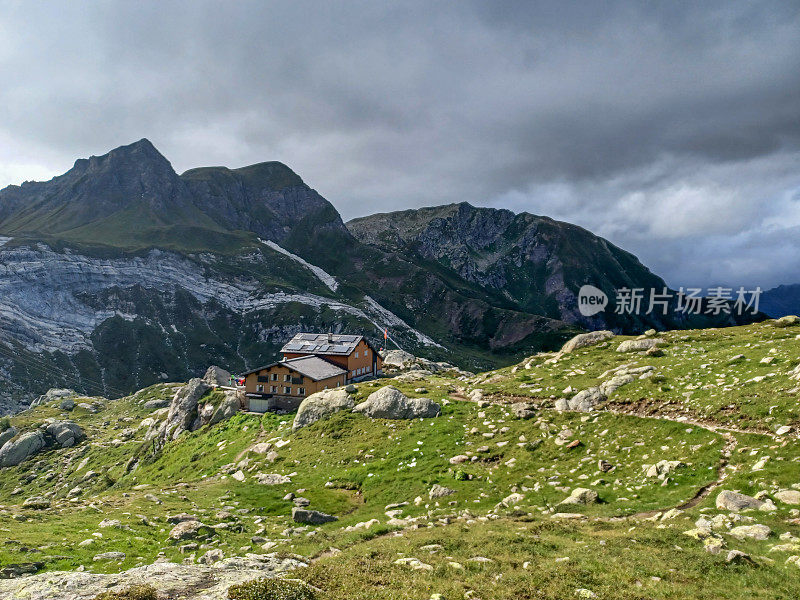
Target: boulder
<point>581,496</point>
<point>156,404</point>
<point>321,405</point>
<point>639,345</point>
<point>735,502</point>
<point>390,403</point>
<point>25,446</point>
<point>788,496</point>
<point>612,385</point>
<point>311,517</point>
<point>586,339</point>
<point>67,404</point>
<point>109,556</point>
<point>399,359</point>
<point>189,530</point>
<point>227,408</point>
<point>36,503</point>
<point>663,468</point>
<point>183,412</point>
<point>583,401</point>
<point>439,491</point>
<point>753,532</point>
<point>7,434</point>
<point>217,376</point>
<point>524,410</point>
<point>65,433</point>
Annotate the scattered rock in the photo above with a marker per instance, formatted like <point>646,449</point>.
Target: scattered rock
<point>66,433</point>
<point>272,479</point>
<point>788,496</point>
<point>524,410</point>
<point>755,532</point>
<point>109,556</point>
<point>439,491</point>
<point>36,503</point>
<point>583,401</point>
<point>189,530</point>
<point>734,501</point>
<point>581,496</point>
<point>737,557</point>
<point>311,517</point>
<point>639,345</point>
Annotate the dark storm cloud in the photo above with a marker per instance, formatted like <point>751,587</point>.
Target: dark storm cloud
<point>672,128</point>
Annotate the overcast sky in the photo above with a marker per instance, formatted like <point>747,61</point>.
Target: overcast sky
<point>672,129</point>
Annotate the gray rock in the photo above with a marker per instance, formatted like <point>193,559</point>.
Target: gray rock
<point>189,530</point>
<point>54,394</point>
<point>390,403</point>
<point>109,556</point>
<point>586,339</point>
<point>639,345</point>
<point>737,557</point>
<point>217,376</point>
<point>788,496</point>
<point>439,491</point>
<point>26,445</point>
<point>66,433</point>
<point>172,580</point>
<point>156,404</point>
<point>36,503</point>
<point>67,404</point>
<point>227,408</point>
<point>581,496</point>
<point>523,410</point>
<point>7,434</point>
<point>398,358</point>
<point>183,411</point>
<point>583,401</point>
<point>787,321</point>
<point>734,501</point>
<point>754,532</point>
<point>321,406</point>
<point>311,517</point>
<point>612,385</point>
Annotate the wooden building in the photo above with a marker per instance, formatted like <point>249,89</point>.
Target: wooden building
<point>353,353</point>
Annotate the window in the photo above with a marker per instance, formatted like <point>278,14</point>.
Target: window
<point>287,377</point>
<point>366,353</point>
<point>356,354</point>
<point>287,390</point>
<point>274,377</point>
<point>263,378</point>
<point>301,391</point>
<point>274,389</point>
<point>259,388</point>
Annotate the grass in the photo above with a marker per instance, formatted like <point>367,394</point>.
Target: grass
<point>354,468</point>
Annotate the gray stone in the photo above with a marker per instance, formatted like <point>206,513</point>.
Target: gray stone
<point>524,410</point>
<point>390,403</point>
<point>217,376</point>
<point>189,530</point>
<point>612,385</point>
<point>311,517</point>
<point>321,405</point>
<point>7,434</point>
<point>639,345</point>
<point>754,532</point>
<point>787,321</point>
<point>581,496</point>
<point>183,410</point>
<point>583,401</point>
<point>109,556</point>
<point>788,496</point>
<point>66,433</point>
<point>586,339</point>
<point>734,501</point>
<point>439,491</point>
<point>36,503</point>
<point>26,445</point>
<point>156,404</point>
<point>227,408</point>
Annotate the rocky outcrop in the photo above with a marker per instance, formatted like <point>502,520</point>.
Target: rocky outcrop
<point>55,394</point>
<point>65,433</point>
<point>53,434</point>
<point>581,496</point>
<point>183,411</point>
<point>7,434</point>
<point>390,403</point>
<point>321,405</point>
<point>639,345</point>
<point>227,408</point>
<point>311,517</point>
<point>586,339</point>
<point>171,580</point>
<point>216,376</point>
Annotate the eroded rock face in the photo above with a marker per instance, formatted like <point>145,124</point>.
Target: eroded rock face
<point>390,403</point>
<point>586,339</point>
<point>183,412</point>
<point>229,407</point>
<point>7,434</point>
<point>208,582</point>
<point>321,406</point>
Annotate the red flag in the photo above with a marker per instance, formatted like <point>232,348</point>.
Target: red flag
<point>386,334</point>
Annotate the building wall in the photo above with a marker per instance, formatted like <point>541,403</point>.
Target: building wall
<point>358,364</point>
<point>300,390</point>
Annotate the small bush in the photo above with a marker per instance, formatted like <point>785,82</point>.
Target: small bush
<point>5,423</point>
<point>136,592</point>
<point>271,589</point>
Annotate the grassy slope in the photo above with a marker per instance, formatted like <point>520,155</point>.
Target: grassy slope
<point>371,464</point>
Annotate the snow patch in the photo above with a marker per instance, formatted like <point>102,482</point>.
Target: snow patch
<point>324,277</point>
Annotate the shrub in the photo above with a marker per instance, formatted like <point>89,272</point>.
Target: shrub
<point>271,589</point>
<point>5,423</point>
<point>136,592</point>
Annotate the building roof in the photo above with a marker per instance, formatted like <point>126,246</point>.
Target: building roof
<point>322,343</point>
<point>312,367</point>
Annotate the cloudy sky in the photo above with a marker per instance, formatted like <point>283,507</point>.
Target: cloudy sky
<point>673,128</point>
